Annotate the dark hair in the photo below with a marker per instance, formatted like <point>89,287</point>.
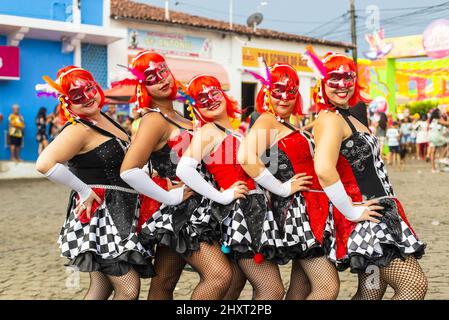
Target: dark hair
<point>383,120</point>
<point>436,114</point>
<point>42,112</point>
<point>423,117</point>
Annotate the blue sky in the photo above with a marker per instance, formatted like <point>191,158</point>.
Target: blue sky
<point>326,19</point>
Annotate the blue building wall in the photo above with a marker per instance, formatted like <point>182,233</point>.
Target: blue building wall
<point>37,58</point>
<point>59,10</point>
<point>95,59</point>
<point>92,12</point>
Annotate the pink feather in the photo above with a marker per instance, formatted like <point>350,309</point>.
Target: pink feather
<point>316,62</point>
<point>258,77</point>
<point>267,70</point>
<point>139,75</point>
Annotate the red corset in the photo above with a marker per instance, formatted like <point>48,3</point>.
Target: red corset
<point>299,150</point>
<point>222,164</point>
<point>181,142</point>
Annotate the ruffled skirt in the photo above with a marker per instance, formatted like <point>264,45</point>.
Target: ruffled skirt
<point>248,228</point>
<point>358,245</point>
<point>182,227</point>
<point>107,241</point>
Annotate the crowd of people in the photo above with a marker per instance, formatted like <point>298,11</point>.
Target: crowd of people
<point>422,137</point>
<point>232,205</point>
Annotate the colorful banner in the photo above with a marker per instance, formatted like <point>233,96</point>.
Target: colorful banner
<point>170,43</point>
<point>250,55</point>
<point>406,47</point>
<point>9,63</point>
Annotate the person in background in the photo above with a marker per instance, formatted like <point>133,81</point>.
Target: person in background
<point>112,112</point>
<point>1,118</point>
<point>406,139</point>
<point>413,135</point>
<point>128,125</point>
<point>16,126</point>
<point>381,130</point>
<point>393,138</point>
<point>41,124</point>
<point>437,140</point>
<point>422,137</point>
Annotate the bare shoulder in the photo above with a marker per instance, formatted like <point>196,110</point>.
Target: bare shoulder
<point>75,132</point>
<point>153,118</point>
<point>329,121</point>
<point>208,129</point>
<point>265,120</point>
<point>328,118</point>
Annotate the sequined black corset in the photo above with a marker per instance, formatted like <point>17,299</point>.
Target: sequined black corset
<point>165,160</point>
<point>101,165</point>
<point>361,150</point>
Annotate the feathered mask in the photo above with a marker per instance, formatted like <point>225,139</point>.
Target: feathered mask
<point>53,89</point>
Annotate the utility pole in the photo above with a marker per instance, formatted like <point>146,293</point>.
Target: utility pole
<point>353,29</point>
<point>231,12</point>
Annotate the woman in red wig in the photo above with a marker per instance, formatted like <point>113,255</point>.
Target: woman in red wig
<point>306,211</point>
<point>370,232</point>
<point>178,224</point>
<point>99,233</point>
<point>241,208</point>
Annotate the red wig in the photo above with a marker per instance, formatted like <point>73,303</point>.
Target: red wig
<point>138,65</point>
<point>333,61</point>
<point>195,86</point>
<point>66,77</point>
<point>277,72</point>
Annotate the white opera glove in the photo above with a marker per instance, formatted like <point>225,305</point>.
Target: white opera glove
<point>139,181</point>
<point>269,182</point>
<point>59,173</point>
<point>186,171</point>
<point>340,199</point>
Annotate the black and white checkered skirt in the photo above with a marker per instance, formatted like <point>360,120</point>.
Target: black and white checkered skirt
<point>296,232</point>
<point>377,244</point>
<point>108,242</point>
<point>247,227</point>
<point>182,227</point>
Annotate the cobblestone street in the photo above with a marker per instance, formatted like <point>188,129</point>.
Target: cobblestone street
<point>32,211</point>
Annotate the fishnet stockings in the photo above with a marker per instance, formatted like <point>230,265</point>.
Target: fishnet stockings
<point>405,277</point>
<point>299,287</point>
<point>215,272</point>
<point>168,266</point>
<point>371,286</point>
<point>237,284</point>
<point>99,288</point>
<point>265,279</point>
<point>314,279</point>
<point>126,287</point>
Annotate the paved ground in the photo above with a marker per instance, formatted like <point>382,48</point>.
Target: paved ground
<point>32,211</point>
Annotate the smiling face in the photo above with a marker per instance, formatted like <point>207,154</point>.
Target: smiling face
<point>211,102</point>
<point>283,95</point>
<point>339,86</point>
<point>158,80</point>
<point>84,97</point>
